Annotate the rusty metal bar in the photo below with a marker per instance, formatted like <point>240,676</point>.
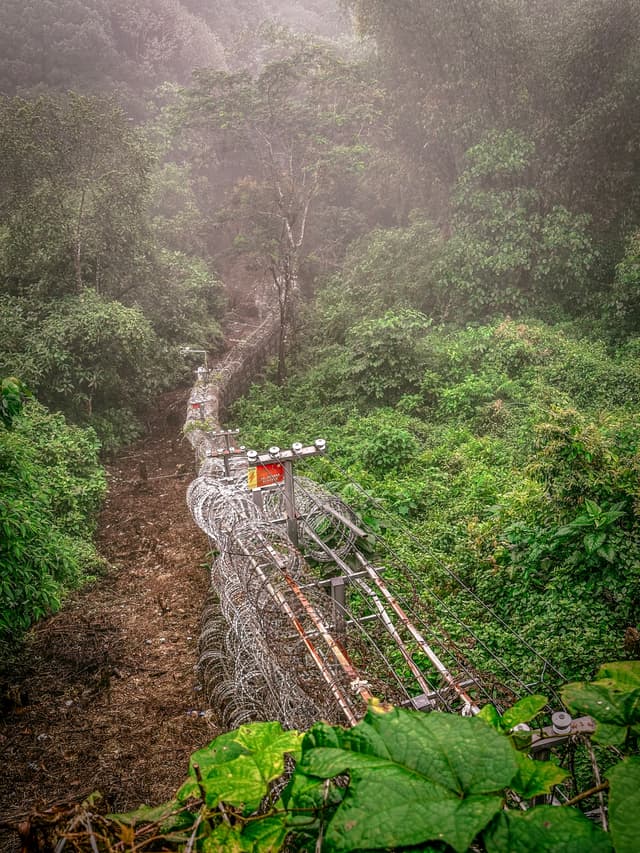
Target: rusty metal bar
<point>317,658</point>
<point>415,633</point>
<point>356,577</point>
<point>334,512</point>
<point>358,684</point>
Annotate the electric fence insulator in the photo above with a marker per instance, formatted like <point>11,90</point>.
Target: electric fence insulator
<point>561,723</point>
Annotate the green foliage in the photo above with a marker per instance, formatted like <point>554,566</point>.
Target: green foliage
<point>296,135</point>
<point>567,76</point>
<point>546,829</point>
<point>413,778</point>
<point>536,778</point>
<point>238,767</point>
<point>84,354</point>
<point>613,699</point>
<point>624,804</point>
<point>388,269</point>
<point>229,780</point>
<point>389,448</point>
<point>185,300</point>
<point>90,305</point>
<point>522,712</point>
<point>511,456</point>
<point>454,71</point>
<point>173,208</point>
<point>71,198</point>
<point>116,428</point>
<point>50,490</point>
<point>624,294</point>
<point>507,253</point>
<point>101,45</point>
<point>593,529</point>
<point>386,356</point>
<point>12,397</point>
<point>398,780</point>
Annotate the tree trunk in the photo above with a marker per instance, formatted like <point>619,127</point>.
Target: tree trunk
<point>77,249</point>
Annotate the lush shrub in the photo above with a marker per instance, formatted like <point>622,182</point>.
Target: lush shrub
<point>385,355</point>
<point>512,454</point>
<point>408,780</point>
<point>388,269</point>
<point>508,252</point>
<point>86,356</point>
<point>184,301</point>
<point>50,490</point>
<point>623,308</point>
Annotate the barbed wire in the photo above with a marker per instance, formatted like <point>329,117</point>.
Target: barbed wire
<point>301,638</point>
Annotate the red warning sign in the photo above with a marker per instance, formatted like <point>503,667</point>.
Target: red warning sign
<point>267,474</point>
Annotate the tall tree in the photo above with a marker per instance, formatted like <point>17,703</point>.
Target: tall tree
<point>74,177</point>
<point>565,75</point>
<point>455,70</point>
<point>284,137</point>
<point>89,301</point>
<point>584,91</point>
<point>62,44</point>
<point>164,40</point>
<point>95,46</point>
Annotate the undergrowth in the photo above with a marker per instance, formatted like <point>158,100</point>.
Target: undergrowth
<point>399,780</point>
<point>51,488</point>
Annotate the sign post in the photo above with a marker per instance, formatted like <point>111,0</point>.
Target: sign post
<point>290,504</point>
<point>276,467</point>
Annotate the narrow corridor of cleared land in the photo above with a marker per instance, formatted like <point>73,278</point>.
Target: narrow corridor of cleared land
<point>104,696</point>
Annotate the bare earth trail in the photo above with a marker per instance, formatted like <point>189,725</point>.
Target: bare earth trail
<point>104,696</point>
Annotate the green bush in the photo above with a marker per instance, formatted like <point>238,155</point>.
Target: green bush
<point>508,251</point>
<point>50,491</point>
<point>87,356</point>
<point>407,780</point>
<point>385,355</point>
<point>512,453</point>
<point>387,270</point>
<point>623,307</point>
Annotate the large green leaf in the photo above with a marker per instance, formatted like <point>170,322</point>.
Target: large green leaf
<point>545,829</point>
<point>267,834</point>
<point>413,778</point>
<point>225,837</point>
<point>237,767</point>
<point>387,809</point>
<point>613,700</point>
<point>305,797</point>
<point>624,805</point>
<point>523,711</point>
<point>263,835</point>
<point>536,777</point>
<point>626,674</point>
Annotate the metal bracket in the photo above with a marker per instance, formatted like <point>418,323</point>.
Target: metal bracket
<point>227,449</point>
<point>549,736</point>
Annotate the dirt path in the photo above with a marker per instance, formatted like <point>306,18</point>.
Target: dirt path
<point>105,696</point>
